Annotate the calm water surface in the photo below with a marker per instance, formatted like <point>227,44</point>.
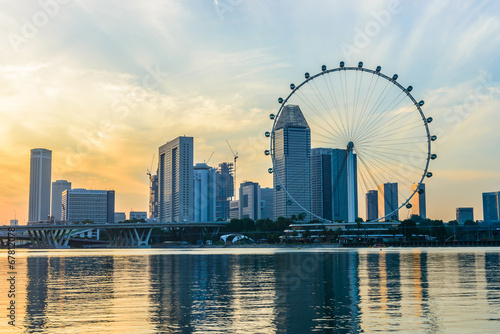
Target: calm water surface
<point>255,291</point>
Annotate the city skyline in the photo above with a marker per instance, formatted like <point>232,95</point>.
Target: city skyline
<point>137,86</point>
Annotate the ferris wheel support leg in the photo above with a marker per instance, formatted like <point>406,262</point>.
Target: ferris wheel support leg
<point>351,208</point>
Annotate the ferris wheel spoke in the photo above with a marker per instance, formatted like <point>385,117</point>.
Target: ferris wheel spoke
<point>331,92</point>
<point>368,97</point>
<point>390,160</point>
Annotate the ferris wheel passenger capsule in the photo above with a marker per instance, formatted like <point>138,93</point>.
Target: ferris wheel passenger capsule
<point>408,206</point>
<point>342,64</point>
<point>378,69</point>
<point>421,103</point>
<point>360,64</point>
<point>292,86</point>
<point>307,75</point>
<point>410,88</point>
<point>429,120</point>
<point>280,100</point>
<point>433,156</point>
<point>266,152</point>
<point>268,134</point>
<point>323,68</point>
<point>271,116</point>
<point>429,174</point>
<point>421,191</point>
<point>270,170</point>
<point>434,137</point>
<point>395,77</point>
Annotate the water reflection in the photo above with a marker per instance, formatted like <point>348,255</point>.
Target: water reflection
<point>158,291</point>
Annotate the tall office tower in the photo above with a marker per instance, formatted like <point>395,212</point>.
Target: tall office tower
<point>371,205</point>
<point>388,200</point>
<point>234,212</point>
<point>491,206</point>
<point>153,196</point>
<point>329,183</point>
<point>97,206</point>
<point>204,193</point>
<point>292,157</point>
<point>418,207</point>
<point>266,199</point>
<point>175,180</point>
<point>225,190</point>
<point>57,189</point>
<point>465,214</point>
<point>250,200</point>
<point>40,174</point>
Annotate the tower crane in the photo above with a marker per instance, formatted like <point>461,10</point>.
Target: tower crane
<point>235,155</point>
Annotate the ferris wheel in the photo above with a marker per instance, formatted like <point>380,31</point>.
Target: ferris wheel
<point>349,142</point>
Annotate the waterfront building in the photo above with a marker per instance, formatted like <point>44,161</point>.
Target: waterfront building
<point>204,193</point>
<point>266,199</point>
<point>153,196</point>
<point>58,187</point>
<point>464,214</point>
<point>138,215</point>
<point>40,178</point>
<point>329,198</point>
<point>234,212</point>
<point>224,190</point>
<point>81,205</point>
<point>120,217</point>
<point>249,202</point>
<point>388,200</point>
<point>418,206</point>
<point>292,163</point>
<point>491,207</point>
<point>175,180</point>
<point>372,205</point>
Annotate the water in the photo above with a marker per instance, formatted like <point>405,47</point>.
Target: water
<point>241,290</point>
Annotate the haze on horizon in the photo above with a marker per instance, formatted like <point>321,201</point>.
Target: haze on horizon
<point>104,84</point>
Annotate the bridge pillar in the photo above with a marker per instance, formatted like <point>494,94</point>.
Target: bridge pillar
<point>49,238</point>
<point>129,237</point>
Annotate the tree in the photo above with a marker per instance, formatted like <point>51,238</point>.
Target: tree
<point>408,227</point>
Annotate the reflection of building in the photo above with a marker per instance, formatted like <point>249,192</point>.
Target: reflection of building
<point>266,198</point>
<point>234,212</point>
<point>175,180</point>
<point>491,206</point>
<point>153,196</point>
<point>250,205</point>
<point>204,193</point>
<point>388,200</point>
<point>97,206</point>
<point>292,153</point>
<point>225,190</point>
<point>329,183</point>
<point>372,205</point>
<point>464,214</point>
<point>418,207</point>
<point>57,189</point>
<point>40,174</point>
<point>138,215</point>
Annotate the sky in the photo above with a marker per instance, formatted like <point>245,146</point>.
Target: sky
<point>103,84</point>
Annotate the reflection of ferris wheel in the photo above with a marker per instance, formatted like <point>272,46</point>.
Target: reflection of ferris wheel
<point>346,133</point>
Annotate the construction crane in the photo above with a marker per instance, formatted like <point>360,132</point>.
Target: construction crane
<point>148,171</point>
<point>210,158</point>
<point>235,155</point>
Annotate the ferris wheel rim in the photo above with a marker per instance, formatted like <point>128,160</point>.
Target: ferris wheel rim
<point>393,80</point>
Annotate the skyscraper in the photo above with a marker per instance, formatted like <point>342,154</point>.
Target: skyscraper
<point>175,180</point>
<point>40,175</point>
<point>153,196</point>
<point>225,190</point>
<point>292,156</point>
<point>97,206</point>
<point>372,205</point>
<point>329,183</point>
<point>267,199</point>
<point>388,200</point>
<point>464,214</point>
<point>418,207</point>
<point>250,205</point>
<point>57,189</point>
<point>491,206</point>
<point>204,193</point>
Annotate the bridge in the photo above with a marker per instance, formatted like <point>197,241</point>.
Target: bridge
<point>120,235</point>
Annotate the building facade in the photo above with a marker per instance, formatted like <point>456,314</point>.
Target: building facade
<point>138,215</point>
<point>292,163</point>
<point>40,179</point>
<point>81,205</point>
<point>175,180</point>
<point>225,190</point>
<point>465,214</point>
<point>372,205</point>
<point>418,206</point>
<point>58,187</point>
<point>250,202</point>
<point>266,199</point>
<point>120,217</point>
<point>388,201</point>
<point>491,207</point>
<point>204,193</point>
<point>234,212</point>
<point>153,196</point>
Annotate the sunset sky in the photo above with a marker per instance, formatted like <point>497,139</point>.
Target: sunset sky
<point>104,83</point>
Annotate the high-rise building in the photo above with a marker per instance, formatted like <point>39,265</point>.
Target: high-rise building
<point>464,214</point>
<point>204,193</point>
<point>138,215</point>
<point>40,175</point>
<point>153,196</point>
<point>266,199</point>
<point>175,180</point>
<point>250,205</point>
<point>491,206</point>
<point>234,212</point>
<point>418,207</point>
<point>57,189</point>
<point>372,205</point>
<point>329,183</point>
<point>225,190</point>
<point>388,201</point>
<point>292,163</point>
<point>81,205</point>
